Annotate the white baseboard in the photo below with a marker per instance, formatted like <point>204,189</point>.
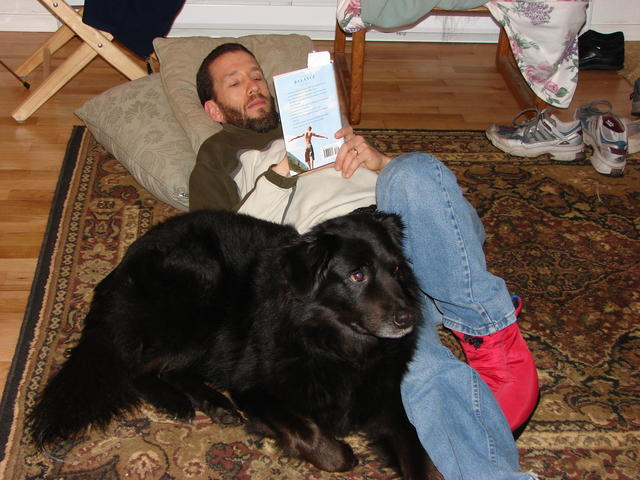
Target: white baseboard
<point>31,22</point>
<point>631,32</point>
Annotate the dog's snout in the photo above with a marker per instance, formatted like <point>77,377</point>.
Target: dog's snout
<point>403,319</point>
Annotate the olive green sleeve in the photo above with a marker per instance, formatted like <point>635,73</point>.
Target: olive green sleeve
<point>210,183</point>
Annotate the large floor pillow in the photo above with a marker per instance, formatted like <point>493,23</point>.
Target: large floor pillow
<point>136,124</point>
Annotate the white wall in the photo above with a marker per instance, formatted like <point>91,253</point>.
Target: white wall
<point>316,18</point>
<point>613,15</point>
<point>25,16</point>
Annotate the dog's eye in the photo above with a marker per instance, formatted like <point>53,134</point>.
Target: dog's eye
<point>358,276</point>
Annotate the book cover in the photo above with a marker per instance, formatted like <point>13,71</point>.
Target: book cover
<point>309,113</point>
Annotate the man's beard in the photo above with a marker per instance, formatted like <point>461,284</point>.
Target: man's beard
<point>265,122</point>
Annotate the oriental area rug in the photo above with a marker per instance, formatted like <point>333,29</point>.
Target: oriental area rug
<point>563,237</point>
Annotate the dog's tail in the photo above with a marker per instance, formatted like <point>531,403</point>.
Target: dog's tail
<point>91,389</point>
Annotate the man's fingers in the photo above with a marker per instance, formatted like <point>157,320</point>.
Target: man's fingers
<point>352,162</point>
<point>345,132</point>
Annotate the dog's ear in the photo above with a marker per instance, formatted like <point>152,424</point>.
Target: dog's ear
<point>304,264</point>
<point>394,226</point>
<point>392,222</point>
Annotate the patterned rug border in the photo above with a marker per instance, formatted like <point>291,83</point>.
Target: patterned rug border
<point>38,290</point>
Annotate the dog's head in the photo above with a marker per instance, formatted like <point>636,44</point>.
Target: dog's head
<point>353,269</point>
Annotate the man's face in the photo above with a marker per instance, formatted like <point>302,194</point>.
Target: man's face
<point>242,97</point>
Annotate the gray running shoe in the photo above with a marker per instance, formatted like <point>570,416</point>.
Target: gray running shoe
<point>607,134</point>
<point>543,133</point>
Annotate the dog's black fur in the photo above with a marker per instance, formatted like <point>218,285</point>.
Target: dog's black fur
<point>310,335</point>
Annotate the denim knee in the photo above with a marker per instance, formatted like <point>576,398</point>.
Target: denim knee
<point>410,170</point>
<point>416,178</point>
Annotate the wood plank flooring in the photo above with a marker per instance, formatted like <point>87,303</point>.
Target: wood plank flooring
<point>407,85</point>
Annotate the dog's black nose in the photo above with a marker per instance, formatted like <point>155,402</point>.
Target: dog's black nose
<point>403,319</point>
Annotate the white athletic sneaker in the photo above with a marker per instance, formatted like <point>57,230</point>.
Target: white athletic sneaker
<point>541,134</point>
<point>608,136</point>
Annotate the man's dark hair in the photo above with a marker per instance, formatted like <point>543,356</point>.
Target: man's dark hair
<point>204,80</point>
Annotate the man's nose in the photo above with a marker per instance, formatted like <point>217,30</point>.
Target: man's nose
<point>253,87</point>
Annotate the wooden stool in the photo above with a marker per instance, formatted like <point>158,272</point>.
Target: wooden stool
<point>350,76</point>
<point>95,42</point>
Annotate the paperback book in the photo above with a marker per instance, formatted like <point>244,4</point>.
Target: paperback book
<point>309,113</point>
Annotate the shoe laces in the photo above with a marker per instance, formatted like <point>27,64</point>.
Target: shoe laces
<point>592,109</point>
<point>613,129</point>
<point>544,121</point>
<point>530,125</point>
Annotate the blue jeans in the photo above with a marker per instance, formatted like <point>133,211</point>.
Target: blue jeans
<point>455,413</point>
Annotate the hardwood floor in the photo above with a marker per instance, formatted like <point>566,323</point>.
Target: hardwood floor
<point>425,86</point>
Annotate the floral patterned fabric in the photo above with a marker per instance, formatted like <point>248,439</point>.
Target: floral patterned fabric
<point>543,37</point>
<point>349,17</point>
<point>544,41</point>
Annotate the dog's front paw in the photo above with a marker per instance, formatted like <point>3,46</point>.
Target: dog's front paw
<point>332,455</point>
<point>345,460</point>
<point>224,416</point>
<point>176,407</point>
<point>183,412</point>
<point>218,407</point>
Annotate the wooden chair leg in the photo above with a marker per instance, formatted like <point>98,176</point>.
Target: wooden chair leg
<point>54,82</point>
<point>339,40</point>
<point>506,65</point>
<point>46,62</point>
<point>350,77</point>
<point>357,76</point>
<point>52,45</point>
<point>343,74</point>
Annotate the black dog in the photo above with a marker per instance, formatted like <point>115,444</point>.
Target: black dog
<point>310,335</point>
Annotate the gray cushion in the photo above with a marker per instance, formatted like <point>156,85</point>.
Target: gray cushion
<point>135,123</point>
